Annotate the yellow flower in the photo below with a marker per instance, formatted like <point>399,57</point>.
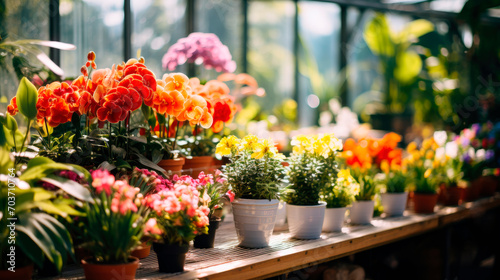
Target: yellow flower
<point>226,145</point>
<point>249,142</point>
<point>263,148</point>
<point>384,166</point>
<point>332,142</point>
<point>429,154</point>
<point>344,175</point>
<point>411,147</point>
<point>427,173</point>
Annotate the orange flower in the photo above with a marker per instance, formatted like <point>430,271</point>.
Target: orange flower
<point>196,112</point>
<point>177,82</point>
<point>171,103</point>
<point>109,111</point>
<point>12,108</point>
<point>59,113</point>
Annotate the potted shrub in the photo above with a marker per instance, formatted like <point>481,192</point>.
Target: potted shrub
<point>363,206</point>
<point>179,218</point>
<point>254,174</point>
<point>212,195</point>
<point>312,168</point>
<point>338,197</point>
<point>395,196</point>
<point>115,224</point>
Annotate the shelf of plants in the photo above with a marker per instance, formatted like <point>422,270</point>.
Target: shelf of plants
<point>104,179</point>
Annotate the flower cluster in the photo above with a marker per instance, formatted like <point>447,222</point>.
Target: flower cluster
<point>177,211</point>
<point>343,192</point>
<point>148,181</point>
<point>117,208</point>
<point>199,48</point>
<point>368,151</point>
<point>255,169</point>
<point>313,168</point>
<point>213,192</point>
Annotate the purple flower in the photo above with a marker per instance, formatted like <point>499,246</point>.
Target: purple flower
<point>467,158</point>
<point>490,154</point>
<point>476,128</point>
<point>200,48</point>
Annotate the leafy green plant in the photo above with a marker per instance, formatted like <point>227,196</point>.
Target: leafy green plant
<point>367,185</point>
<point>255,170</point>
<point>396,181</point>
<point>313,168</point>
<point>343,192</point>
<point>39,234</point>
<point>424,180</point>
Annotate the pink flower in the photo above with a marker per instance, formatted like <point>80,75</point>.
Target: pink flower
<point>151,227</point>
<point>102,180</point>
<point>200,48</point>
<point>231,195</point>
<point>205,210</point>
<point>202,221</point>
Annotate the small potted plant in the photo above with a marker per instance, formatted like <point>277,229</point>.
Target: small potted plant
<point>179,218</point>
<point>425,197</point>
<point>338,197</point>
<point>254,174</point>
<point>115,224</point>
<point>362,208</point>
<point>395,196</point>
<point>312,168</point>
<point>213,193</point>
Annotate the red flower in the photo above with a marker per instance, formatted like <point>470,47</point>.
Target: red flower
<point>12,108</point>
<point>110,111</point>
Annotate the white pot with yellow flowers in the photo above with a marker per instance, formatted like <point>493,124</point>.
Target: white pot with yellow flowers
<point>254,174</point>
<point>338,197</point>
<point>312,168</point>
<point>395,182</point>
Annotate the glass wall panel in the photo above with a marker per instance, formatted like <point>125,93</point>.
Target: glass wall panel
<point>156,26</point>
<point>223,18</point>
<point>319,33</point>
<point>91,25</point>
<point>18,21</point>
<point>270,53</point>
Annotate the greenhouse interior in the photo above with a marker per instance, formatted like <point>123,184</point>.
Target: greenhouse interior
<point>250,139</point>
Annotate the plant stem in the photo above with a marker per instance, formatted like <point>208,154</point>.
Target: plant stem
<point>175,138</point>
<point>109,141</point>
<point>48,134</point>
<point>24,141</point>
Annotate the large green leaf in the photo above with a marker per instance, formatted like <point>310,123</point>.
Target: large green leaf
<point>377,36</point>
<point>46,233</point>
<point>5,161</point>
<point>413,30</point>
<point>26,99</point>
<point>408,66</point>
<point>71,187</point>
<point>41,167</point>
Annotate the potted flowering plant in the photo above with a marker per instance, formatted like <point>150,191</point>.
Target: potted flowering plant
<point>179,218</point>
<point>254,174</point>
<point>116,209</point>
<point>213,193</point>
<point>395,196</point>
<point>420,164</point>
<point>313,167</point>
<point>363,207</point>
<point>338,197</point>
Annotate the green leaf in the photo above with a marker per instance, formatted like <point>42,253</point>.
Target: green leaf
<point>5,161</point>
<point>14,138</point>
<point>38,172</point>
<point>378,36</point>
<point>27,96</point>
<point>413,30</point>
<point>71,187</point>
<point>39,161</point>
<point>9,122</point>
<point>408,67</point>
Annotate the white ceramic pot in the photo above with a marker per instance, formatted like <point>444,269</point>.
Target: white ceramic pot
<point>394,203</point>
<point>334,219</point>
<point>362,211</point>
<point>254,221</point>
<point>305,222</point>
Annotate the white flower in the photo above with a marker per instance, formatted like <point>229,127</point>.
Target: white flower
<point>481,155</point>
<point>451,149</point>
<point>440,137</point>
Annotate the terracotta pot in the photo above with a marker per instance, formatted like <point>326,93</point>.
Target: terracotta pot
<point>21,273</point>
<point>204,241</point>
<point>442,194</point>
<point>424,203</point>
<point>489,185</point>
<point>171,257</point>
<point>193,166</point>
<point>453,195</point>
<point>472,191</point>
<point>96,271</point>
<point>172,165</point>
<point>142,251</point>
